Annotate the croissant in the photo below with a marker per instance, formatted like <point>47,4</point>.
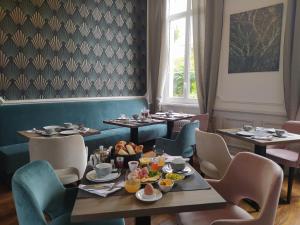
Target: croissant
<point>139,148</point>
<point>130,150</point>
<point>119,147</point>
<point>122,143</point>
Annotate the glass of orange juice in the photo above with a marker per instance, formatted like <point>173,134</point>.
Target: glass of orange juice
<point>161,161</point>
<point>132,184</point>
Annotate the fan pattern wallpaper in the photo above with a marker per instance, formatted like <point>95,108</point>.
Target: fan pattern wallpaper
<point>72,48</point>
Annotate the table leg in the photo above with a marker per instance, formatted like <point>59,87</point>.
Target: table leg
<point>145,220</point>
<point>260,150</point>
<point>134,135</point>
<point>170,125</point>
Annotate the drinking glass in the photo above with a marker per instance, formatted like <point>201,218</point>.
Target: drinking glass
<point>132,183</point>
<point>120,162</point>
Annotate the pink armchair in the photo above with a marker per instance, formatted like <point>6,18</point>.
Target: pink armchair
<point>287,155</point>
<point>248,176</point>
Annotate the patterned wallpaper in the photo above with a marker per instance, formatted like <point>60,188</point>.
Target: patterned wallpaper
<point>72,48</point>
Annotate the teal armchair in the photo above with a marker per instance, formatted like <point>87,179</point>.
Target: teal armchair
<point>37,192</point>
<point>183,144</point>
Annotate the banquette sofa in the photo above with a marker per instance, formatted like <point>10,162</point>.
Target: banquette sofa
<point>16,117</point>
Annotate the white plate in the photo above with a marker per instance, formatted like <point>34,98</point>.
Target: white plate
<point>47,135</point>
<point>245,133</point>
<point>52,127</point>
<point>73,127</point>
<point>156,196</point>
<point>69,132</point>
<point>160,113</point>
<point>187,171</point>
<point>91,176</point>
<point>264,138</point>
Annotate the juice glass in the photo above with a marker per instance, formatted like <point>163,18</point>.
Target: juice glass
<point>132,185</point>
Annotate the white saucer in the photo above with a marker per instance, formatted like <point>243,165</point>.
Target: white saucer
<point>245,133</point>
<point>187,171</point>
<point>156,196</point>
<point>91,176</point>
<point>69,132</point>
<point>48,135</point>
<point>54,127</point>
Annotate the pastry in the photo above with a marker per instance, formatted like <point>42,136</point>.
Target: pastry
<point>130,150</point>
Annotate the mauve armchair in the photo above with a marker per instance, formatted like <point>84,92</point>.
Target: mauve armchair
<point>287,155</point>
<point>249,176</point>
<point>183,144</point>
<point>37,192</point>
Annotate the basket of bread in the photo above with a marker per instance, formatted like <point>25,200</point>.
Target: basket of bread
<point>129,150</point>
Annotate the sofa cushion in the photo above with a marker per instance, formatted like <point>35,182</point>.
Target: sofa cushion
<point>152,132</point>
<point>13,157</point>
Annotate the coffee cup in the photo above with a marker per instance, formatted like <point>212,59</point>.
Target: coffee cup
<point>247,127</point>
<point>103,169</point>
<point>68,125</point>
<point>133,165</point>
<point>49,131</point>
<point>178,164</point>
<point>279,132</point>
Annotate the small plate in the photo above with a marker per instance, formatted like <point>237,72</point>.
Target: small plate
<point>156,196</point>
<point>187,171</point>
<point>245,133</point>
<point>73,127</point>
<point>282,136</point>
<point>91,176</point>
<point>69,132</point>
<point>160,113</point>
<point>47,135</point>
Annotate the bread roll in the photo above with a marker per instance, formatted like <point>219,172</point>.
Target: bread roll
<point>139,148</point>
<point>122,152</point>
<point>132,144</point>
<point>130,150</point>
<point>119,147</point>
<point>122,143</point>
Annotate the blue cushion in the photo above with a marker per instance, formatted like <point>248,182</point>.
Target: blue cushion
<point>13,156</point>
<point>152,132</point>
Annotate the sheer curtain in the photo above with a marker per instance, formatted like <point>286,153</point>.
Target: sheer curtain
<point>157,51</point>
<point>291,60</point>
<point>207,34</point>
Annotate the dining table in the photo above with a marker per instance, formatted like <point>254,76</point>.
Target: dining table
<point>171,118</point>
<point>260,144</point>
<point>32,133</point>
<point>191,194</point>
<point>133,125</point>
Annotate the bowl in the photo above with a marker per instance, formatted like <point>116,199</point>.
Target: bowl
<point>103,169</point>
<point>68,125</point>
<point>177,164</point>
<point>279,132</point>
<point>175,177</point>
<point>165,185</point>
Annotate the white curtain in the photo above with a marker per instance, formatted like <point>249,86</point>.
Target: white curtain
<point>157,51</point>
<point>207,34</point>
<point>291,61</point>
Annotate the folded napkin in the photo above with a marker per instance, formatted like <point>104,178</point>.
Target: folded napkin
<point>102,189</point>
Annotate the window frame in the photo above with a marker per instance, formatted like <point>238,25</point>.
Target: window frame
<point>186,99</point>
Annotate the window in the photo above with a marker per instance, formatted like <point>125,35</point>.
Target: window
<point>181,83</point>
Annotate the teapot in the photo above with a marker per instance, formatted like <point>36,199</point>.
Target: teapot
<point>99,156</point>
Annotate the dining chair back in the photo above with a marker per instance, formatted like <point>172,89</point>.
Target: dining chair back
<point>202,118</point>
<point>67,155</point>
<point>213,154</point>
<point>36,189</point>
<point>248,176</point>
<point>287,155</point>
<point>183,144</point>
<point>41,199</point>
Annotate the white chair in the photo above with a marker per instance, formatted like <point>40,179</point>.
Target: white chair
<point>67,155</point>
<point>213,154</point>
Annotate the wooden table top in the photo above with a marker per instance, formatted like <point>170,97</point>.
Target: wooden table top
<point>173,118</point>
<point>28,134</point>
<point>291,138</point>
<point>132,123</point>
<point>87,209</point>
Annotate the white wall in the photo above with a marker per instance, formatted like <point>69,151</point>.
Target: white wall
<point>249,98</point>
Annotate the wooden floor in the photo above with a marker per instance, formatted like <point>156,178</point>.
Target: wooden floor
<point>286,214</point>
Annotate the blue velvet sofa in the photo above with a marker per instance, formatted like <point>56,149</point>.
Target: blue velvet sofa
<point>14,118</point>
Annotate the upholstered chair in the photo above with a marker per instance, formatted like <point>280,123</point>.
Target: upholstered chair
<point>183,144</point>
<point>67,155</point>
<point>202,118</point>
<point>213,154</point>
<point>41,199</point>
<point>248,176</point>
<point>287,155</point>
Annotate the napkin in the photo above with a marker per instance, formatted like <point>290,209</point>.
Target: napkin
<point>103,190</point>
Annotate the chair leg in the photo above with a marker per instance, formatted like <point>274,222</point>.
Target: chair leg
<point>290,184</point>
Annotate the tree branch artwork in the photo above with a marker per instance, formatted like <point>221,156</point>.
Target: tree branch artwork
<point>255,38</point>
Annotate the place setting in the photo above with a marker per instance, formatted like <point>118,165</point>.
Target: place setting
<point>116,173</point>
